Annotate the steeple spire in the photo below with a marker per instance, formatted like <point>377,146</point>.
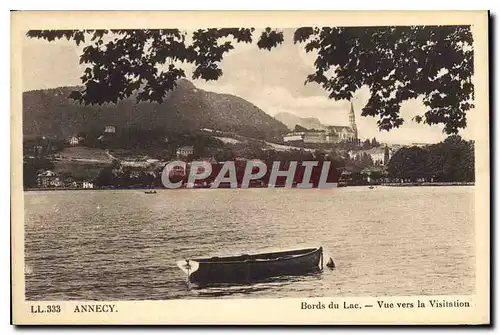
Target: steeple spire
<point>352,121</point>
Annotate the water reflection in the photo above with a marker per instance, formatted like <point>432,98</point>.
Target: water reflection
<point>273,283</point>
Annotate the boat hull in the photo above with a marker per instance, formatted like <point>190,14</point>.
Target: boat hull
<point>248,268</point>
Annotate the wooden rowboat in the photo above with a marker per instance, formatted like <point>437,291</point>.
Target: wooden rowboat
<point>247,268</point>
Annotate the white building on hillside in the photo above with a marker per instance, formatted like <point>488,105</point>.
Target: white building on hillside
<point>377,154</point>
<point>73,140</point>
<point>315,137</point>
<point>306,137</point>
<point>110,129</point>
<point>293,137</point>
<point>185,151</point>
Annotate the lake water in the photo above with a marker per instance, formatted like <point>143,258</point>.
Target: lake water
<point>124,244</point>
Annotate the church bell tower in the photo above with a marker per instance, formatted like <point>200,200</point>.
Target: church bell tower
<point>352,121</point>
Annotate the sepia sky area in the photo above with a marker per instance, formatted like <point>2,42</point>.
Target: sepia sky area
<point>272,80</point>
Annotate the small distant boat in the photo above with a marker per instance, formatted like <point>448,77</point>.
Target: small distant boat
<point>246,268</point>
<point>150,192</point>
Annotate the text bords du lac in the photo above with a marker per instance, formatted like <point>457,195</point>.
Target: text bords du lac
<point>432,303</point>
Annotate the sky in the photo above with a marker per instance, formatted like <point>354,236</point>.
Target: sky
<point>272,80</point>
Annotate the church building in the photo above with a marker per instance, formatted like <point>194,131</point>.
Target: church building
<point>344,133</point>
<point>333,134</point>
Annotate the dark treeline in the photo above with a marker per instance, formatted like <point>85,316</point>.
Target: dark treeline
<point>449,161</point>
<point>116,176</point>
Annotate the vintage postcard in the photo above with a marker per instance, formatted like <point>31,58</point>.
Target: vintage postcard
<point>182,168</point>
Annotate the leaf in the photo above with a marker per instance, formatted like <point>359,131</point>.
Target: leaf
<point>270,39</point>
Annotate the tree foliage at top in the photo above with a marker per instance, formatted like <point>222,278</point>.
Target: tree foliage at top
<point>396,63</point>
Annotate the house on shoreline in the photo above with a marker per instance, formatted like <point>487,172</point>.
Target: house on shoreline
<point>51,180</point>
<point>48,179</point>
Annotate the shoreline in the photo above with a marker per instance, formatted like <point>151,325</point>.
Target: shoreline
<point>428,184</point>
<point>197,188</point>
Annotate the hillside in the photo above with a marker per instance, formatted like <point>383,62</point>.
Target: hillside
<point>291,121</point>
<point>186,108</point>
<point>84,154</point>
